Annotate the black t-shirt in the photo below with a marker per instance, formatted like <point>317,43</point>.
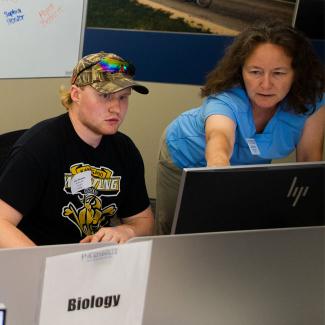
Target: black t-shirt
<point>37,181</point>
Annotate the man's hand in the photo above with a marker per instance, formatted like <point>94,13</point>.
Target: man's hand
<point>140,224</point>
<point>117,235</point>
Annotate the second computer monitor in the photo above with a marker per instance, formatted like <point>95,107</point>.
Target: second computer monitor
<point>250,197</point>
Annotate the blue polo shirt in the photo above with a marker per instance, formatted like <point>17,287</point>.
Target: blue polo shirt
<point>185,136</point>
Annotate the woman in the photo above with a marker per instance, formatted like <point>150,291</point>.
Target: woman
<point>265,99</point>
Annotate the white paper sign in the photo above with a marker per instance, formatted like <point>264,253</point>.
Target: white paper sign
<point>101,286</point>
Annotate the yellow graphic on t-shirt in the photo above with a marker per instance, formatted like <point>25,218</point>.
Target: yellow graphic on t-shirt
<point>90,215</point>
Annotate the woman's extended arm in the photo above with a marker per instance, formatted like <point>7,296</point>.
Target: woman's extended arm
<point>220,138</point>
<point>310,146</point>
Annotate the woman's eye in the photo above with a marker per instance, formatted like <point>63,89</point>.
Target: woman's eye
<point>255,72</point>
<point>279,73</point>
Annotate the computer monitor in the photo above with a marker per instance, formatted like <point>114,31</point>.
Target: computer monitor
<point>250,197</point>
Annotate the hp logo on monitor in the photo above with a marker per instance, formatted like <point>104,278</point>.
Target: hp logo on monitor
<point>297,192</point>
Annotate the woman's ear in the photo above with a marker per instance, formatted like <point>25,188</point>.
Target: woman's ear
<point>75,93</point>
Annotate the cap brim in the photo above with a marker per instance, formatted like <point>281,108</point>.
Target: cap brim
<point>118,84</point>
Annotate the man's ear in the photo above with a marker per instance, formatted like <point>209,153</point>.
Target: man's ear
<point>75,93</point>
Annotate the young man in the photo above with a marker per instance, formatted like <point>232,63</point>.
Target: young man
<point>67,177</point>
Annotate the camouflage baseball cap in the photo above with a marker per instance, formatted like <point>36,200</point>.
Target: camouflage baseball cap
<point>106,72</point>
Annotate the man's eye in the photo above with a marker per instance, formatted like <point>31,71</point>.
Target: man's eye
<point>104,96</point>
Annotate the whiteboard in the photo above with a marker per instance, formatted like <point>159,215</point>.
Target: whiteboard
<point>40,38</point>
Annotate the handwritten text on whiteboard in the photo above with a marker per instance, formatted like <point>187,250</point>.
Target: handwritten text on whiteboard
<point>49,14</point>
<point>14,16</point>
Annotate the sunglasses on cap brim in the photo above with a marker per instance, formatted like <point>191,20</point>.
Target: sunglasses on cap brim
<point>111,66</point>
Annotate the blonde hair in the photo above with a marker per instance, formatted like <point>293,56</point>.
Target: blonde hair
<point>65,97</point>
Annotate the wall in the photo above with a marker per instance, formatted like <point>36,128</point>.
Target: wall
<point>149,115</point>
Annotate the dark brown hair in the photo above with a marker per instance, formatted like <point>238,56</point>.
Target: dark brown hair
<point>309,73</point>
